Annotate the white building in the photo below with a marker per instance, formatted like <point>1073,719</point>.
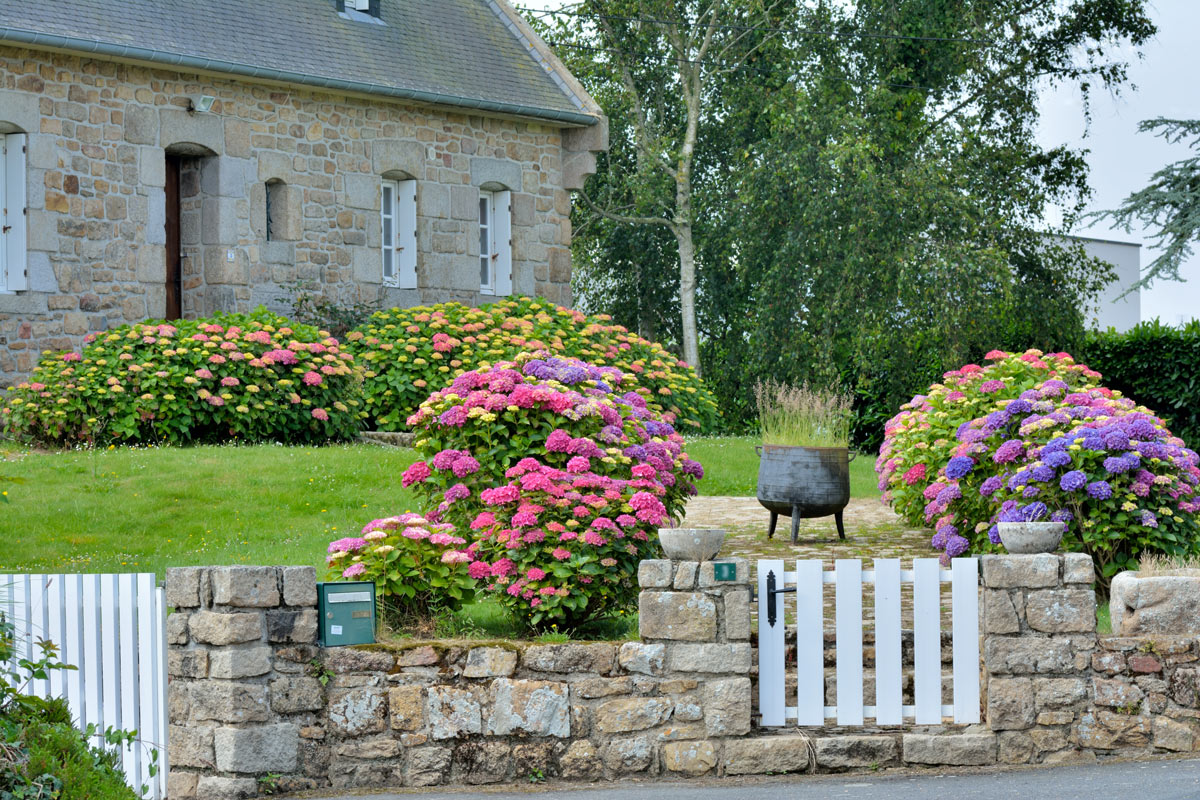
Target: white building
<point>1113,310</point>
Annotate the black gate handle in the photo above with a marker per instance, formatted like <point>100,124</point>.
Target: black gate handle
<point>771,592</point>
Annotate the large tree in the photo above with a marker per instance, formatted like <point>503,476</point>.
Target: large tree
<point>868,193</point>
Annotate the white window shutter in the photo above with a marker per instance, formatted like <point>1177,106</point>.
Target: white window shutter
<point>406,234</point>
<point>14,216</point>
<point>502,242</point>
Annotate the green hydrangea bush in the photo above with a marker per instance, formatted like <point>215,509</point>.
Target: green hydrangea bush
<point>228,378</point>
<point>409,353</point>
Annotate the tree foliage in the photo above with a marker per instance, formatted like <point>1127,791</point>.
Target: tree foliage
<point>868,195</point>
<point>1170,203</point>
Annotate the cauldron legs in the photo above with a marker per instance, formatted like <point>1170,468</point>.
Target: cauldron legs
<point>795,524</point>
<point>771,530</point>
<point>837,517</point>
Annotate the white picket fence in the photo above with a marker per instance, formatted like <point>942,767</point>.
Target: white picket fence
<point>113,629</point>
<point>848,577</point>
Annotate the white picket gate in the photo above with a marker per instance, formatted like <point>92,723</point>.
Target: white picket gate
<point>848,578</point>
<point>113,629</point>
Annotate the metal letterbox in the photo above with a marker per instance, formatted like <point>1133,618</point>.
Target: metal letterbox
<point>347,610</point>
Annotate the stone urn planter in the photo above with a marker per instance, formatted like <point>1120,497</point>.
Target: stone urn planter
<point>691,544</point>
<point>1146,604</point>
<point>803,482</point>
<point>1020,538</point>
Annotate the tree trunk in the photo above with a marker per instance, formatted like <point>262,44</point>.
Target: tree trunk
<point>687,294</point>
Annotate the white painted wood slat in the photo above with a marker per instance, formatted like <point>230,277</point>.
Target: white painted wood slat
<point>889,676</point>
<point>848,602</point>
<point>964,603</point>
<point>771,699</point>
<point>810,644</point>
<point>927,641</point>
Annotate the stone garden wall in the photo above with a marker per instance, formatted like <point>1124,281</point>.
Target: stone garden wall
<point>1057,692</point>
<point>252,696</point>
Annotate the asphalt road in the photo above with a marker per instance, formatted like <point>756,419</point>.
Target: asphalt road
<point>1160,780</point>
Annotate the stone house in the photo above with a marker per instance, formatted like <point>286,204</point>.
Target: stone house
<point>168,158</point>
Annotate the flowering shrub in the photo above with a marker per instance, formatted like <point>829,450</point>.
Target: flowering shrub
<point>1034,436</point>
<point>558,472</point>
<point>230,377</point>
<point>563,546</point>
<point>417,566</point>
<point>410,352</point>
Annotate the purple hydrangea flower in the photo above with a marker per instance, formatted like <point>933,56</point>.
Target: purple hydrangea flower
<point>1009,451</point>
<point>994,535</point>
<point>1149,520</point>
<point>1055,458</point>
<point>990,485</point>
<point>959,466</point>
<point>1072,481</point>
<point>1115,465</point>
<point>956,545</point>
<point>1030,491</point>
<point>1019,407</point>
<point>1100,490</point>
<point>1042,474</point>
<point>1062,515</point>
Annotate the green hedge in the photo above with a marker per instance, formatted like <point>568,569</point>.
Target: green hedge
<point>1156,365</point>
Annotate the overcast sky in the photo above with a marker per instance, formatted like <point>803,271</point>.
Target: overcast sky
<point>1164,82</point>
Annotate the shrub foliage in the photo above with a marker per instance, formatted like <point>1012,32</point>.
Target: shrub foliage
<point>232,377</point>
<point>1158,365</point>
<point>1035,436</point>
<point>408,353</point>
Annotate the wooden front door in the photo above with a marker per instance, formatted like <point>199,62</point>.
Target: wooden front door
<point>174,249</point>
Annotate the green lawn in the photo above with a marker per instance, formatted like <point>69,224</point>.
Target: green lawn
<point>731,467</point>
<point>145,509</point>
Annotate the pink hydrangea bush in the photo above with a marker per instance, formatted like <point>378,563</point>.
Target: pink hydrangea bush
<point>564,465</point>
<point>562,546</point>
<point>229,378</point>
<point>1035,436</point>
<point>572,416</point>
<point>418,567</point>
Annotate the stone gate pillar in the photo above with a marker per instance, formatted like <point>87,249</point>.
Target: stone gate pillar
<point>1038,623</point>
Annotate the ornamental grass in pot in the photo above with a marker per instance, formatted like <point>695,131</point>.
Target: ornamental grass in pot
<point>804,460</point>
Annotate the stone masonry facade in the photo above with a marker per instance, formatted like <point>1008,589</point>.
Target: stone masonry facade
<point>1057,692</point>
<point>99,133</point>
<point>252,695</point>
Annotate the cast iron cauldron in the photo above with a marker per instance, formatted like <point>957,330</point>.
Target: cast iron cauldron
<point>803,482</point>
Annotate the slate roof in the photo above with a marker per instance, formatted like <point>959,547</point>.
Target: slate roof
<point>453,52</point>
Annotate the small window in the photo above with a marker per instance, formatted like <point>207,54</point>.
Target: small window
<point>275,210</point>
<point>12,211</point>
<point>398,227</point>
<point>495,243</point>
<point>487,273</point>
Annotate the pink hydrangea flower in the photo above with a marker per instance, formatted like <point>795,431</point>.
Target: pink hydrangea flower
<point>320,413</point>
<point>313,378</point>
<point>417,473</point>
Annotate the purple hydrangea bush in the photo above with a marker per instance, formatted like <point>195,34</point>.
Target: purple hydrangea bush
<point>1035,436</point>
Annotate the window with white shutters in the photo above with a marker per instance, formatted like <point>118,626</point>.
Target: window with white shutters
<point>398,223</point>
<point>13,232</point>
<point>495,243</point>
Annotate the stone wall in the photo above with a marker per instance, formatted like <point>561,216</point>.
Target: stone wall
<point>251,693</point>
<point>1058,692</point>
<point>99,132</point>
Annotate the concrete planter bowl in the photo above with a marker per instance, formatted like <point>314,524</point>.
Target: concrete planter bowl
<point>691,544</point>
<point>1148,604</point>
<point>1021,538</point>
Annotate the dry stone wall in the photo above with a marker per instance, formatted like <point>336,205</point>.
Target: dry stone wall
<point>251,693</point>
<point>1056,691</point>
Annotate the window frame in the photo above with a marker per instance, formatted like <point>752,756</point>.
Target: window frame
<point>487,254</point>
<point>401,245</point>
<point>13,212</point>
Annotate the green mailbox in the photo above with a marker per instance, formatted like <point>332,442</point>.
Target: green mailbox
<point>347,611</point>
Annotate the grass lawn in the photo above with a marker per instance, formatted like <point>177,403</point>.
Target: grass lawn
<point>731,467</point>
<point>145,509</point>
